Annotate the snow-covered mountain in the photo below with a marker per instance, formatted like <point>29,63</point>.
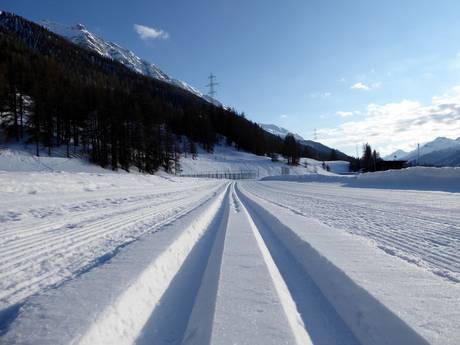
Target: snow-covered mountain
<point>279,131</point>
<point>320,148</point>
<point>397,155</point>
<point>439,152</point>
<point>78,34</point>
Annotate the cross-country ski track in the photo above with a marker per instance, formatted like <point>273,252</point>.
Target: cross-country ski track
<point>219,262</point>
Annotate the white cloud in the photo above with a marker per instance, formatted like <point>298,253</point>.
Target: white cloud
<point>344,113</point>
<point>147,33</point>
<point>284,116</point>
<point>366,87</point>
<point>399,125</point>
<point>360,86</point>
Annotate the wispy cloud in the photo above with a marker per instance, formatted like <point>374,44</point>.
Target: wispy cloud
<point>360,86</point>
<point>366,87</point>
<point>283,116</point>
<point>344,113</point>
<point>399,125</point>
<point>148,33</point>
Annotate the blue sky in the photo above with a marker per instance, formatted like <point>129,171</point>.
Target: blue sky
<point>383,72</point>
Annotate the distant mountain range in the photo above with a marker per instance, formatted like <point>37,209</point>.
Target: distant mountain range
<point>323,149</point>
<point>439,152</point>
<point>80,35</point>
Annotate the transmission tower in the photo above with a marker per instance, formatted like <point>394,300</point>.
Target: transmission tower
<point>212,85</point>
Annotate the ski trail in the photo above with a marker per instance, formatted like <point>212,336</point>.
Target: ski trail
<point>420,228</point>
<point>122,322</point>
<point>51,256</point>
<point>314,311</point>
<point>223,270</point>
<point>253,303</point>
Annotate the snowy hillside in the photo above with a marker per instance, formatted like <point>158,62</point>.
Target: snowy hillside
<point>19,157</point>
<point>414,178</point>
<point>80,35</point>
<point>15,158</point>
<point>228,159</point>
<point>279,131</point>
<point>439,152</point>
<point>397,155</point>
<point>320,148</point>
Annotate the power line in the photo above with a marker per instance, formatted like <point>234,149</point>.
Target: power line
<point>212,85</point>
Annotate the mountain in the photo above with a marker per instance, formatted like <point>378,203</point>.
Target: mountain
<point>439,152</point>
<point>397,155</point>
<point>321,151</point>
<point>279,131</point>
<point>447,157</point>
<point>57,93</point>
<point>80,35</point>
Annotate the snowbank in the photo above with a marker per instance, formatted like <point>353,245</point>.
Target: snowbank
<point>414,178</point>
<point>425,178</point>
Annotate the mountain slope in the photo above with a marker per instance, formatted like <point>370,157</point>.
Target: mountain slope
<point>439,144</point>
<point>397,155</point>
<point>317,148</point>
<point>439,152</point>
<point>79,35</point>
<point>279,131</point>
<point>122,118</point>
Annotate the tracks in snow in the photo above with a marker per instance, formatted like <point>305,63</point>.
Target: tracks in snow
<point>424,231</point>
<point>237,284</point>
<point>225,275</point>
<point>40,253</point>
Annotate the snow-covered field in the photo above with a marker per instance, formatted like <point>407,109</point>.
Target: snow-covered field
<point>115,258</point>
<point>228,159</point>
<point>445,179</point>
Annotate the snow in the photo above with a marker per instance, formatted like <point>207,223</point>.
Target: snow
<point>439,152</point>
<point>243,250</point>
<point>228,159</point>
<point>55,225</point>
<point>99,301</point>
<point>414,178</point>
<point>282,132</point>
<point>417,226</point>
<point>279,131</point>
<point>97,257</point>
<point>18,158</point>
<point>381,298</point>
<point>438,144</point>
<point>397,155</point>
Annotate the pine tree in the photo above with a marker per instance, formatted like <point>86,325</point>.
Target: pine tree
<point>291,150</point>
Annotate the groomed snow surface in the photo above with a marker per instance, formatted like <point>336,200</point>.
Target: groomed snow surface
<point>113,258</point>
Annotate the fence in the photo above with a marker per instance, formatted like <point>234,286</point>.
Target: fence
<point>231,175</point>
